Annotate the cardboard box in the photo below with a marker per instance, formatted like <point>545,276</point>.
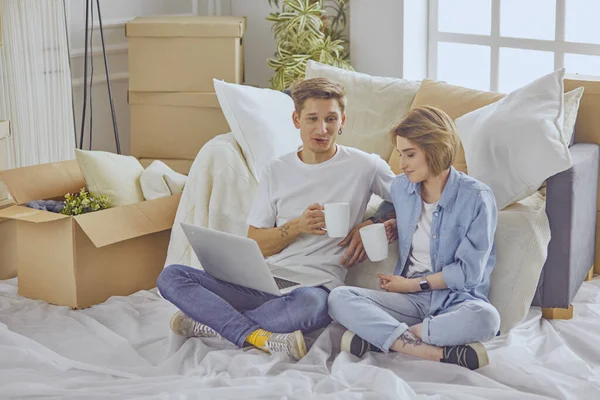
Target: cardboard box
<point>181,166</point>
<point>80,261</point>
<point>4,134</point>
<point>184,54</point>
<point>173,125</point>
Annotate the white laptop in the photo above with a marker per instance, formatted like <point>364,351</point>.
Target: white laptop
<point>238,260</point>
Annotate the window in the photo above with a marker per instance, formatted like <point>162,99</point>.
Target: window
<point>501,45</point>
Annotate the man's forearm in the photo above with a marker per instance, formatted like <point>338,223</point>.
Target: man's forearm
<point>384,212</point>
<point>273,240</point>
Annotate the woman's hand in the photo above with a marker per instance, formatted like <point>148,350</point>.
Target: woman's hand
<point>398,284</point>
<point>391,230</point>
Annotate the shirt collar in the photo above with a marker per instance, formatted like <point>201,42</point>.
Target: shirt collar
<point>448,194</point>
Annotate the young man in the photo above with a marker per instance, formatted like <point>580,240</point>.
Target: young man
<point>287,221</point>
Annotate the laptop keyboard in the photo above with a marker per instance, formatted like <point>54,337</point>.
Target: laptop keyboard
<point>284,283</point>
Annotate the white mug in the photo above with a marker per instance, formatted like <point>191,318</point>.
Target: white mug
<point>337,219</point>
<point>375,241</point>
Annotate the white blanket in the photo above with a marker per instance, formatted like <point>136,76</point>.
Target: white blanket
<point>218,194</point>
<point>123,349</point>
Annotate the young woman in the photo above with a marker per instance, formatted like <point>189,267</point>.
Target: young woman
<point>435,304</point>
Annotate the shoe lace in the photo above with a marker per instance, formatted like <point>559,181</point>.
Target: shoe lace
<point>278,344</point>
<point>203,330</point>
<point>460,353</point>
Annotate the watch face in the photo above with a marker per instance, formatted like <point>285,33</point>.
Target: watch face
<point>424,285</point>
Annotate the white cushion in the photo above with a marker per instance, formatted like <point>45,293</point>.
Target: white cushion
<point>515,144</point>
<point>159,180</point>
<point>116,176</point>
<point>521,239</point>
<point>261,121</point>
<point>375,105</point>
<point>572,100</point>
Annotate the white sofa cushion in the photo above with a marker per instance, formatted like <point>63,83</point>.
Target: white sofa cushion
<point>521,239</point>
<point>260,120</point>
<point>516,143</point>
<point>159,180</point>
<point>114,175</point>
<point>375,105</point>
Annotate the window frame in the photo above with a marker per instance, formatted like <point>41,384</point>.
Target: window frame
<point>559,46</point>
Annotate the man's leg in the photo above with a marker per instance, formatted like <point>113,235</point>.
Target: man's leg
<point>303,309</point>
<point>235,311</point>
<point>212,302</point>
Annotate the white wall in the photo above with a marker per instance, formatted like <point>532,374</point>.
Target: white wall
<point>389,37</point>
<point>114,15</point>
<point>259,42</point>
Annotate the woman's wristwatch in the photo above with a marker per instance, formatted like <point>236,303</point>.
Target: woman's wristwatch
<point>424,283</point>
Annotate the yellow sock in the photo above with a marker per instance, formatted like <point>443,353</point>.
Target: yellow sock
<point>258,338</point>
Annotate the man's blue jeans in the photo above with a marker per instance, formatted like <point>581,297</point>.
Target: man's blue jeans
<point>235,311</point>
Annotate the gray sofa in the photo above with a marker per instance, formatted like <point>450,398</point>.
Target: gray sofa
<point>571,199</point>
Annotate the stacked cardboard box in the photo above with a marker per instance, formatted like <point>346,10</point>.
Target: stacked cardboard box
<point>172,62</point>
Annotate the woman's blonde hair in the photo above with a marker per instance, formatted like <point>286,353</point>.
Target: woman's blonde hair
<point>434,132</point>
<point>317,88</point>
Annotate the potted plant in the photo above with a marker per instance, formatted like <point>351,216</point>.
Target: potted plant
<point>307,30</point>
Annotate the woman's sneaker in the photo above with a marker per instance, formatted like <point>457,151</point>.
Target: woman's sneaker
<point>183,325</point>
<point>354,344</point>
<point>291,344</point>
<point>472,356</point>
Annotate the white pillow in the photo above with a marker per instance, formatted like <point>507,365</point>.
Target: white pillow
<point>516,143</point>
<point>572,100</point>
<point>159,180</point>
<point>116,176</point>
<point>521,239</point>
<point>261,121</point>
<point>375,105</point>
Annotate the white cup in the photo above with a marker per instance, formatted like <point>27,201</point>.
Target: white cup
<point>337,219</point>
<point>375,241</point>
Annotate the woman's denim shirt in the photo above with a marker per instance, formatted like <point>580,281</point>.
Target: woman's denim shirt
<point>462,235</point>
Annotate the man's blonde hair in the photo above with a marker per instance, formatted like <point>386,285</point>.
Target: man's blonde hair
<point>434,132</point>
<point>317,88</point>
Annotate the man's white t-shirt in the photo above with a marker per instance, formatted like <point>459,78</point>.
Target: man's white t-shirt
<point>420,258</point>
<point>288,186</point>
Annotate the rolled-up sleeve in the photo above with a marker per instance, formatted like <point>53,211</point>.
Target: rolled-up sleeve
<point>473,252</point>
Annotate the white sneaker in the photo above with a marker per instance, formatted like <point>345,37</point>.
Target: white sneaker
<point>183,325</point>
<point>291,344</point>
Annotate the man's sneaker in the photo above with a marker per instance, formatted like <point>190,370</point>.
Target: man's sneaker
<point>183,325</point>
<point>291,344</point>
<point>354,344</point>
<point>472,356</point>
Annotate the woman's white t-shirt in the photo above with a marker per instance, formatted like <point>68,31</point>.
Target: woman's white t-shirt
<point>419,260</point>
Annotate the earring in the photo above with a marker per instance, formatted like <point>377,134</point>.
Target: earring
<point>340,132</point>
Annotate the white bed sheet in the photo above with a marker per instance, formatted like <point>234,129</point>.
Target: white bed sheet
<point>123,349</point>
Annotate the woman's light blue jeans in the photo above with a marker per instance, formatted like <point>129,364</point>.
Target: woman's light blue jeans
<point>381,317</point>
<point>235,311</point>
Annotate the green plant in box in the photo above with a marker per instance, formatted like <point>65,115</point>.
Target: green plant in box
<point>84,202</point>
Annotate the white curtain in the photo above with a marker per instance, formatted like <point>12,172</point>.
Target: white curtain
<point>35,85</point>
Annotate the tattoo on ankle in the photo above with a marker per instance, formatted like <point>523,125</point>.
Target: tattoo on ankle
<point>284,231</point>
<point>410,338</point>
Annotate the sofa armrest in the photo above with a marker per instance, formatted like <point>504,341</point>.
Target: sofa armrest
<point>571,206</point>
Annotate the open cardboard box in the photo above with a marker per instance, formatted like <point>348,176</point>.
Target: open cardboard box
<point>82,260</point>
